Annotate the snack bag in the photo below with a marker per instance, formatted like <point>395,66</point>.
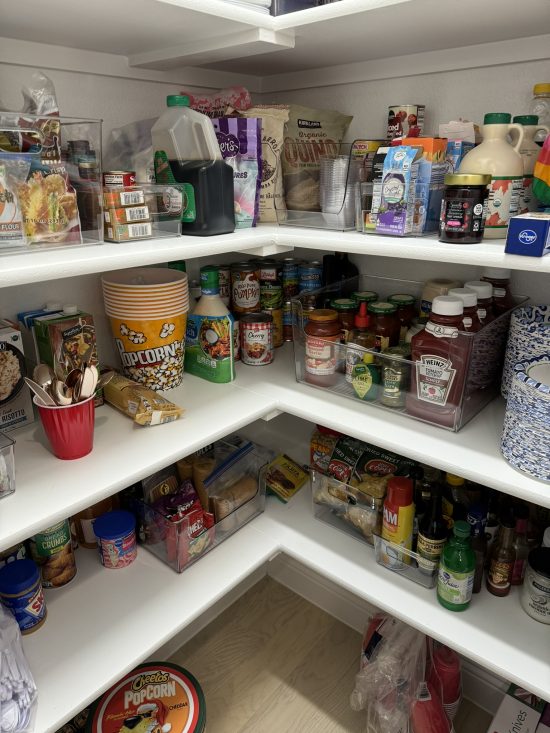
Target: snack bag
<point>217,103</point>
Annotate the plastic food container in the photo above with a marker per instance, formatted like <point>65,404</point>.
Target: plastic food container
<point>7,466</point>
<point>21,593</point>
<point>116,539</point>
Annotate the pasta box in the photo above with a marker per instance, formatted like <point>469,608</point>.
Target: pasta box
<point>529,234</point>
<point>15,398</point>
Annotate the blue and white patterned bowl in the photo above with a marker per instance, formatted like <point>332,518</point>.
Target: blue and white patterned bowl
<point>529,337</point>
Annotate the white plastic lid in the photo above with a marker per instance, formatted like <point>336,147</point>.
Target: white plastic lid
<point>499,273</point>
<point>53,305</point>
<point>69,309</point>
<point>482,289</point>
<point>468,297</point>
<point>447,305</point>
<point>546,537</point>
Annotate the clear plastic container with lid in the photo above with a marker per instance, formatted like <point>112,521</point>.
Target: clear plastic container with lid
<point>471,320</point>
<point>540,106</point>
<point>484,292</point>
<point>499,277</point>
<point>384,325</point>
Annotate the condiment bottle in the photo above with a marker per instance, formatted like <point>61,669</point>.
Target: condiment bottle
<point>529,151</point>
<point>432,532</point>
<point>406,311</point>
<point>358,336</point>
<point>521,546</point>
<point>454,498</point>
<point>499,278</point>
<point>501,564</point>
<point>321,353</point>
<point>384,325</point>
<point>441,353</point>
<point>470,320</point>
<point>484,292</point>
<point>476,519</point>
<point>433,288</point>
<point>398,514</point>
<point>395,370</point>
<point>455,579</point>
<point>503,162</point>
<point>540,106</point>
<point>365,378</point>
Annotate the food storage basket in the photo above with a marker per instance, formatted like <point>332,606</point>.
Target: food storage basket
<point>177,543</point>
<point>483,370</point>
<point>142,211</point>
<point>359,515</point>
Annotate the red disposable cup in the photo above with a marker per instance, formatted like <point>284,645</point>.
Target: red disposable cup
<point>69,428</point>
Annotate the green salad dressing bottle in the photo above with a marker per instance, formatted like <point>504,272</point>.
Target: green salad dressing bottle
<point>455,580</point>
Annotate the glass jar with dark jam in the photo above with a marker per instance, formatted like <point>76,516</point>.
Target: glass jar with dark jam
<point>384,325</point>
<point>464,208</point>
<point>346,309</point>
<point>406,311</point>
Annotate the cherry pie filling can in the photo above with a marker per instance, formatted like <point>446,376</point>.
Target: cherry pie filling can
<point>256,338</point>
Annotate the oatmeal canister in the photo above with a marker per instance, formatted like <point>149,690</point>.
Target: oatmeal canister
<point>535,592</point>
<point>245,287</point>
<point>116,539</point>
<point>256,339</point>
<point>52,551</point>
<point>21,593</point>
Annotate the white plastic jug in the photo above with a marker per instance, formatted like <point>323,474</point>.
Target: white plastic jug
<point>184,134</point>
<point>529,151</point>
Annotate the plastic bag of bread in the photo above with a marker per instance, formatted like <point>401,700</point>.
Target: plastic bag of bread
<point>143,405</point>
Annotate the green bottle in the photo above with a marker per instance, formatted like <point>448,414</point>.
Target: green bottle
<point>455,580</point>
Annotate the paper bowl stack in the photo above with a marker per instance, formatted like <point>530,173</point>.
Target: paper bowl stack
<point>526,433</point>
<point>148,310</point>
<point>529,338</point>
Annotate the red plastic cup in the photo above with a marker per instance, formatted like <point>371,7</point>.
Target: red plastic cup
<point>69,428</point>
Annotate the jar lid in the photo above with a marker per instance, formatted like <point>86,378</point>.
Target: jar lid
<point>256,318</point>
<point>367,296</point>
<point>538,559</point>
<point>497,118</point>
<point>402,351</point>
<point>447,305</point>
<point>467,179</point>
<point>343,304</point>
<point>323,315</point>
<point>483,289</point>
<point>18,576</point>
<point>499,273</point>
<point>401,299</point>
<point>541,89</point>
<point>462,529</point>
<point>244,266</point>
<point>382,307</point>
<point>115,524</point>
<point>178,100</point>
<point>454,480</point>
<point>468,297</point>
<point>526,119</point>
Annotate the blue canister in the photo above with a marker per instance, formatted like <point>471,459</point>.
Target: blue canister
<point>116,539</point>
<point>311,276</point>
<point>21,593</point>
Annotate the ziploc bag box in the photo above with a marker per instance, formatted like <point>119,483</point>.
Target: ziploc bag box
<point>519,711</point>
<point>397,214</point>
<point>529,234</point>
<point>431,180</point>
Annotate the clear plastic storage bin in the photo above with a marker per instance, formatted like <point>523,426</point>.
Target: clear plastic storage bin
<point>142,211</point>
<point>7,466</point>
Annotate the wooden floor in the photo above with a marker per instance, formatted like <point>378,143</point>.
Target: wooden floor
<point>274,663</point>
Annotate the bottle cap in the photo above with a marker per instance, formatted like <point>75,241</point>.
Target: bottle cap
<point>454,480</point>
<point>323,315</point>
<point>178,100</point>
<point>18,576</point>
<point>468,297</point>
<point>497,118</point>
<point>541,89</point>
<point>210,280</point>
<point>467,179</point>
<point>400,490</point>
<point>526,119</point>
<point>368,359</point>
<point>498,273</point>
<point>546,537</point>
<point>401,299</point>
<point>462,529</point>
<point>382,307</point>
<point>361,318</point>
<point>369,296</point>
<point>343,304</point>
<point>447,305</point>
<point>483,289</point>
<point>69,309</point>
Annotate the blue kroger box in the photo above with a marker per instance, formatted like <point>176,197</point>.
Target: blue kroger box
<point>529,234</point>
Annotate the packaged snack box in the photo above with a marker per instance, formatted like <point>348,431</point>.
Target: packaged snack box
<point>529,234</point>
<point>398,214</point>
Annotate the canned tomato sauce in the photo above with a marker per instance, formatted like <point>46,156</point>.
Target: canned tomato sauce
<point>21,592</point>
<point>245,287</point>
<point>256,339</point>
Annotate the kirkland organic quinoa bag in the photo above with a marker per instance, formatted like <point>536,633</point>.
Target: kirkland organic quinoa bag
<point>309,133</point>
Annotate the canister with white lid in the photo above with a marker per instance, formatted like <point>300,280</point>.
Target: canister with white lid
<point>535,592</point>
<point>484,292</point>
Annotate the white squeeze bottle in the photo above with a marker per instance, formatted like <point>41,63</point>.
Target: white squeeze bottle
<point>503,162</point>
<point>529,151</point>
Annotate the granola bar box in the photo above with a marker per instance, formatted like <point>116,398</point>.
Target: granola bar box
<point>15,397</point>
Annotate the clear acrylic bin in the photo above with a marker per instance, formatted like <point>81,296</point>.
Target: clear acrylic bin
<point>142,211</point>
<point>485,348</point>
<point>360,515</point>
<point>177,543</point>
<point>7,466</point>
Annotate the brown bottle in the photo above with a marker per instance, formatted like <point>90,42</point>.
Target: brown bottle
<point>501,566</point>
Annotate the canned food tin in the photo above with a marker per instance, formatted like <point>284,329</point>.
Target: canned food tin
<point>236,338</point>
<point>256,339</point>
<point>311,275</point>
<point>21,592</point>
<point>119,178</point>
<point>116,539</point>
<point>405,120</point>
<point>52,551</point>
<point>277,315</point>
<point>308,305</point>
<point>535,593</point>
<point>288,333</point>
<point>245,287</point>
<point>225,283</point>
<point>291,277</point>
<point>396,373</point>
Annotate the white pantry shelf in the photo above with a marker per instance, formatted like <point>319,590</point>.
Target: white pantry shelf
<point>264,240</point>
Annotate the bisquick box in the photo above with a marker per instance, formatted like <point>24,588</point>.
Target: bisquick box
<point>15,397</point>
<point>128,232</point>
<point>529,235</point>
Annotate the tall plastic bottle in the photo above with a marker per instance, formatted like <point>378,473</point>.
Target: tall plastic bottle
<point>398,521</point>
<point>540,106</point>
<point>503,162</point>
<point>529,151</point>
<point>456,570</point>
<point>186,151</point>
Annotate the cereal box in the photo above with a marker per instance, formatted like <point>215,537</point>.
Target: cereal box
<point>15,398</point>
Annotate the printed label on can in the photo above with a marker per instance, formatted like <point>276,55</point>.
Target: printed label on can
<point>271,295</point>
<point>52,551</point>
<point>256,343</point>
<point>118,553</point>
<point>245,291</point>
<point>29,608</point>
<point>434,379</point>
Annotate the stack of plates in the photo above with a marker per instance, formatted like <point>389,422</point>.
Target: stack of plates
<point>338,183</point>
<point>529,337</point>
<point>526,433</point>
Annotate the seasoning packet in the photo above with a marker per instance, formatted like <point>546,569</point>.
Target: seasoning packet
<point>143,405</point>
<point>284,477</point>
<point>240,141</point>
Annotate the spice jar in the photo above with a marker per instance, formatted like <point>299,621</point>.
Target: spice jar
<point>346,309</point>
<point>396,375</point>
<point>484,292</point>
<point>406,311</point>
<point>499,278</point>
<point>322,336</point>
<point>464,208</point>
<point>535,592</point>
<point>21,593</point>
<point>384,324</point>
